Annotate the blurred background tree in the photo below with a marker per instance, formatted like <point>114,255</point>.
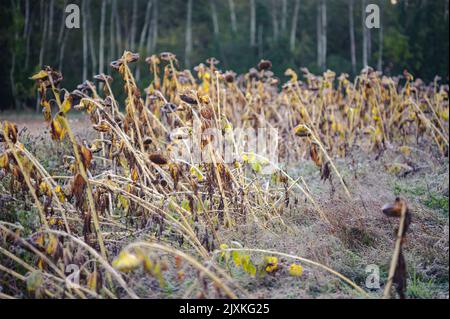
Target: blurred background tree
<point>317,34</point>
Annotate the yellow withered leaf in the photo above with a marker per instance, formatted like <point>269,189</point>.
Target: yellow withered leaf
<point>4,160</point>
<point>127,261</point>
<point>39,240</point>
<point>86,156</point>
<point>65,107</point>
<point>295,270</point>
<point>195,172</point>
<point>271,264</point>
<point>59,192</point>
<point>256,166</point>
<point>92,280</point>
<point>204,99</point>
<point>40,75</point>
<point>40,263</point>
<point>46,110</point>
<point>315,155</point>
<point>123,202</point>
<point>10,131</point>
<point>236,258</point>
<point>103,127</point>
<point>406,150</point>
<point>134,174</point>
<point>58,130</point>
<point>44,188</point>
<point>302,131</point>
<point>52,245</point>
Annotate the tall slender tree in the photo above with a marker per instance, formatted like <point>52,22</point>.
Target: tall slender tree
<point>85,40</point>
<point>284,7</point>
<point>90,36</point>
<point>143,36</point>
<point>232,16</point>
<point>293,35</point>
<point>365,52</point>
<point>214,17</point>
<point>322,35</point>
<point>101,49</point>
<point>274,13</point>
<point>380,39</point>
<point>27,32</point>
<point>133,28</point>
<point>44,33</point>
<point>188,48</point>
<point>351,24</point>
<point>112,46</point>
<point>155,24</point>
<point>252,23</point>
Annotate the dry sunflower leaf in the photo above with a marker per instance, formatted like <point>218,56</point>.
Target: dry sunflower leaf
<point>127,261</point>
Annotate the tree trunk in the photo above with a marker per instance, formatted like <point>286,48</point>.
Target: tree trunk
<point>324,34</point>
<point>101,49</point>
<point>319,35</point>
<point>13,62</point>
<point>142,38</point>
<point>148,11</point>
<point>294,25</point>
<point>118,37</point>
<point>364,50</point>
<point>232,16</point>
<point>252,23</point>
<point>215,19</point>
<point>85,41</point>
<point>61,51</point>
<point>27,18</point>
<point>27,33</point>
<point>188,48</point>
<point>260,41</point>
<point>112,53</point>
<point>62,37</point>
<point>380,40</point>
<point>283,15</point>
<point>149,38</point>
<point>44,37</point>
<point>134,18</point>
<point>51,14</point>
<point>446,10</point>
<point>155,25</point>
<point>351,23</point>
<point>62,25</point>
<point>92,49</point>
<point>274,13</point>
<point>369,45</point>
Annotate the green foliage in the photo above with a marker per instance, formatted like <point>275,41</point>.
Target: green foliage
<point>418,288</point>
<point>415,38</point>
<point>435,201</point>
<point>396,46</point>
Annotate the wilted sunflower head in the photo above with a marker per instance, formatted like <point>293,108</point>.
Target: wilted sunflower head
<point>394,209</point>
<point>264,65</point>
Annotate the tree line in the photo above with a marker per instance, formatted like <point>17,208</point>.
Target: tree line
<point>317,34</point>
